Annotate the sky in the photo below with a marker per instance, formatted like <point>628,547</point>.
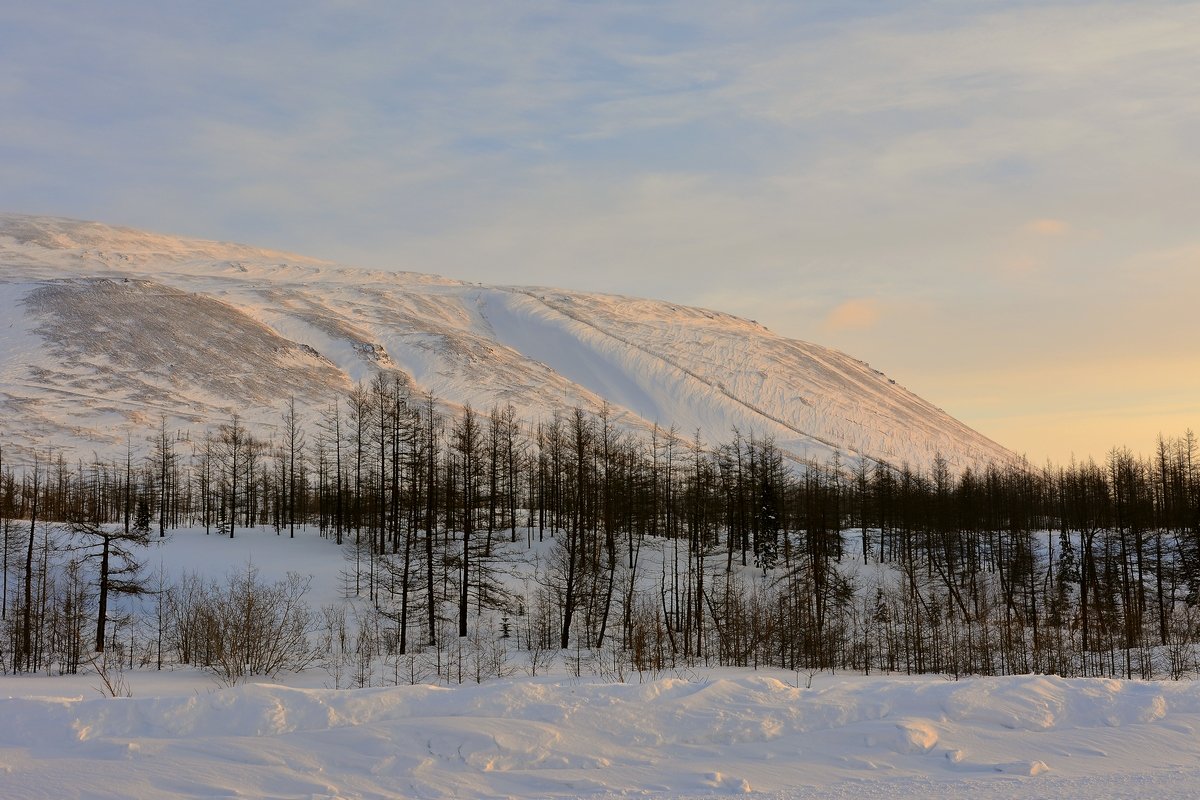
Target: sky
<point>994,203</point>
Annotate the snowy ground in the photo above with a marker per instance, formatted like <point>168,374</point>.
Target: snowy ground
<point>669,738</point>
<point>688,735</point>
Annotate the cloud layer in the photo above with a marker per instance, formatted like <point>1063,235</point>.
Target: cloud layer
<point>1015,183</point>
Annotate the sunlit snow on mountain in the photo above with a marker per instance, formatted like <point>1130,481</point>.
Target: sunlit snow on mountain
<point>106,330</point>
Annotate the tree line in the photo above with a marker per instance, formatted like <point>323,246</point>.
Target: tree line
<point>654,551</point>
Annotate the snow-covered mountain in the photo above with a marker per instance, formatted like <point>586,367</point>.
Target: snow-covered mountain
<point>103,330</point>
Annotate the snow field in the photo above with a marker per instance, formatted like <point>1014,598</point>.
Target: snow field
<point>669,738</point>
<point>699,733</point>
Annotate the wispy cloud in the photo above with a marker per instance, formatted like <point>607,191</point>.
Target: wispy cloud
<point>857,314</point>
<point>1047,227</point>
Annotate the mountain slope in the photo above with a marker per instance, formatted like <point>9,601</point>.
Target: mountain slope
<point>106,329</point>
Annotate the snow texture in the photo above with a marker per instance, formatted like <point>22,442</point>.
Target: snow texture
<point>668,738</point>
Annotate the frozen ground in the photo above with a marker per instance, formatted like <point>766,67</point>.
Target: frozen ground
<point>700,733</point>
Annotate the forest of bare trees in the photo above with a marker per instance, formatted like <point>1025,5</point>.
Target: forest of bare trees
<point>653,552</point>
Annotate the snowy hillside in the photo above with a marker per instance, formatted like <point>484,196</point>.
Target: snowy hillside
<point>106,329</point>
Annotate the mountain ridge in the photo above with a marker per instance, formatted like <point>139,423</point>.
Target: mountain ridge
<point>109,327</point>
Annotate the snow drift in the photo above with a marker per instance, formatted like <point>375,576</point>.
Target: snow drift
<point>668,738</point>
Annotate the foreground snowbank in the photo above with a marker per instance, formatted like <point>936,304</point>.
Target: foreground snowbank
<point>1002,737</point>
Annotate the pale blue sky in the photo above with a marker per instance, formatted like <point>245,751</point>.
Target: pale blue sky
<point>995,203</point>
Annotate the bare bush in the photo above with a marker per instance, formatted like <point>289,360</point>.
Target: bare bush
<point>411,667</point>
<point>253,628</point>
<point>111,672</point>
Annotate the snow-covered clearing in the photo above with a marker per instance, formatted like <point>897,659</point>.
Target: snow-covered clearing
<point>695,733</point>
